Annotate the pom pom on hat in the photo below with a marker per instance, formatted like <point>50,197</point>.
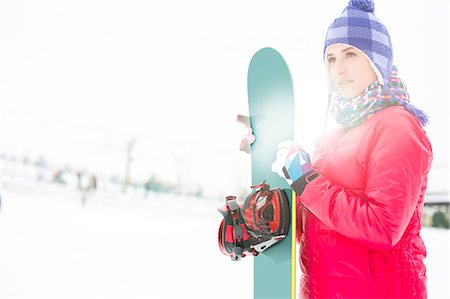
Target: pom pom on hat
<point>365,5</point>
<point>358,27</point>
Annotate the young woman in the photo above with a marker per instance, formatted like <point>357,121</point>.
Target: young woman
<point>360,200</point>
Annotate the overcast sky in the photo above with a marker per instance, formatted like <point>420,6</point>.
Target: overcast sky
<point>79,79</point>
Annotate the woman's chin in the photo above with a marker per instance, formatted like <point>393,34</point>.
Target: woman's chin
<point>349,94</point>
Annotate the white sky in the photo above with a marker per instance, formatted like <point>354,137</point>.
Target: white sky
<point>79,79</point>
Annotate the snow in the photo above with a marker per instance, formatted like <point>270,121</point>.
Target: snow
<point>118,246</point>
<point>127,246</point>
<point>437,262</point>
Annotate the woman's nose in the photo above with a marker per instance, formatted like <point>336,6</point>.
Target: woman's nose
<point>339,66</point>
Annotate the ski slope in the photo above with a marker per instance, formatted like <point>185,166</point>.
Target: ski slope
<point>128,246</point>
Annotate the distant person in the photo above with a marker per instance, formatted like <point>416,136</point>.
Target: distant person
<point>360,200</point>
<point>92,183</point>
<point>58,177</point>
<point>85,184</point>
<point>79,178</point>
<point>147,187</point>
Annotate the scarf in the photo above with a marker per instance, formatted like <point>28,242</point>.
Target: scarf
<point>375,98</point>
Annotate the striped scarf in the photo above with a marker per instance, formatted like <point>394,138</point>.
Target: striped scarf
<point>375,98</point>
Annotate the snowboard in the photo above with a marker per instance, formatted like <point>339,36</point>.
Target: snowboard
<point>271,113</point>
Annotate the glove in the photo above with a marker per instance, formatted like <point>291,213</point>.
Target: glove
<point>249,138</point>
<point>293,164</point>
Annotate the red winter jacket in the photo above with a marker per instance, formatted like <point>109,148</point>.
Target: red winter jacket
<point>359,221</point>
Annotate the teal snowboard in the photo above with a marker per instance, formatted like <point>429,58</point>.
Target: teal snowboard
<point>271,109</point>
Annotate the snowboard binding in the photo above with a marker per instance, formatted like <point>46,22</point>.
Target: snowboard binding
<point>261,222</point>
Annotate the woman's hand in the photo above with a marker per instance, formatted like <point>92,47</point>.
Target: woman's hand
<point>249,138</point>
<point>291,162</point>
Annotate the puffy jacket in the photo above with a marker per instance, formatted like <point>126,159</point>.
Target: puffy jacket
<point>359,221</point>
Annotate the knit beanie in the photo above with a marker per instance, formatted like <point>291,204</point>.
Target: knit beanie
<point>358,27</point>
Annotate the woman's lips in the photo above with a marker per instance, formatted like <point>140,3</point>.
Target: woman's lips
<point>344,82</point>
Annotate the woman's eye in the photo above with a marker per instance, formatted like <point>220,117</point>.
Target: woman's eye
<point>331,59</point>
<point>350,54</point>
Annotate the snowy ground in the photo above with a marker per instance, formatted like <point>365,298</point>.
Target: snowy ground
<point>130,247</point>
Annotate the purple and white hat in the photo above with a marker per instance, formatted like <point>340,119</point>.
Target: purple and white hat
<point>358,27</point>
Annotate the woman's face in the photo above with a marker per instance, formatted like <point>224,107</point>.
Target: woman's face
<point>349,69</point>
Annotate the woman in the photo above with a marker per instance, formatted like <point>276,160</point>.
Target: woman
<point>360,200</point>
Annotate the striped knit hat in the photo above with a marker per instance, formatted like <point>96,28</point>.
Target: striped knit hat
<point>358,27</point>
